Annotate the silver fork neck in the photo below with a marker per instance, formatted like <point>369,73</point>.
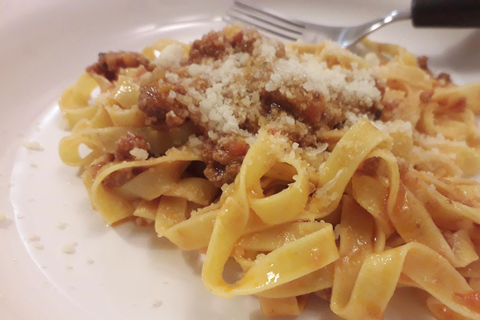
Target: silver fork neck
<point>351,35</point>
<point>399,15</point>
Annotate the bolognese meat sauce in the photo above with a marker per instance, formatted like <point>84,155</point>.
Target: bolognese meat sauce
<point>234,81</point>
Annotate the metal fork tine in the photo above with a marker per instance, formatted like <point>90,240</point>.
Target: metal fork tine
<point>249,10</point>
<point>257,18</point>
<point>262,27</point>
<point>282,27</point>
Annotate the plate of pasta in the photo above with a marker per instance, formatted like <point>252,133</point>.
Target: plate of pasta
<point>159,163</point>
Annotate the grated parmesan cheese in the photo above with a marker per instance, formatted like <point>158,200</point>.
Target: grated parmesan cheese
<point>194,141</point>
<point>33,237</point>
<point>139,154</point>
<point>229,92</point>
<point>170,57</point>
<point>32,145</point>
<point>70,248</point>
<point>337,230</point>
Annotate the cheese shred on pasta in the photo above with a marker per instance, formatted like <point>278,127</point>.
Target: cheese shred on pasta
<point>317,170</point>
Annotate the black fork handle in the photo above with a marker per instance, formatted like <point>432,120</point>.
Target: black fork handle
<point>446,13</point>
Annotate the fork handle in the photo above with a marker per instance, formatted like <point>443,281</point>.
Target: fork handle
<point>446,13</point>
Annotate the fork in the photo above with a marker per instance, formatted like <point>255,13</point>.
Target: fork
<point>424,13</point>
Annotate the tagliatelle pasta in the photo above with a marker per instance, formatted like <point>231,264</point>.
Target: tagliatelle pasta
<point>317,170</point>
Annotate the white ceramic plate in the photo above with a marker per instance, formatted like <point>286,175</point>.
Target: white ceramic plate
<point>58,259</point>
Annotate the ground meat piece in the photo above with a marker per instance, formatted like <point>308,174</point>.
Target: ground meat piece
<point>215,173</point>
<point>117,178</point>
<point>377,115</point>
<point>219,174</point>
<point>216,44</point>
<point>173,120</point>
<point>297,131</point>
<point>243,43</point>
<point>110,63</point>
<point>422,62</point>
<point>155,102</point>
<point>444,78</point>
<point>126,144</point>
<point>426,96</point>
<point>308,107</point>
<point>122,153</point>
<point>231,171</point>
<point>230,149</point>
<point>212,45</point>
<point>223,158</point>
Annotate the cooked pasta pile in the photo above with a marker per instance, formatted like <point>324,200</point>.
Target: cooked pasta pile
<point>317,170</point>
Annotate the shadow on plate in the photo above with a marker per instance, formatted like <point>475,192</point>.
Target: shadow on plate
<point>143,237</point>
<point>463,56</point>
